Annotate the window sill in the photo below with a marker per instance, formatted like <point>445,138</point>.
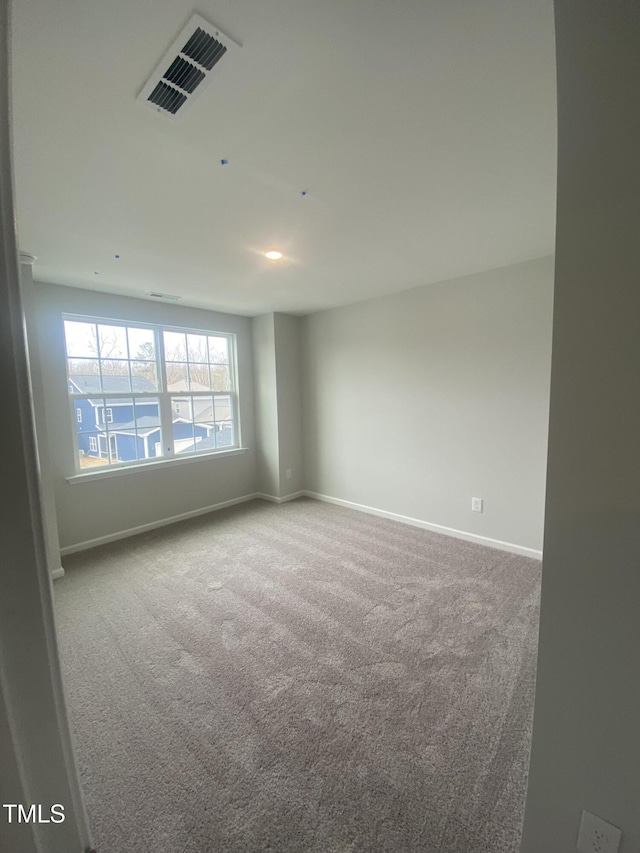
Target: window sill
<point>113,471</point>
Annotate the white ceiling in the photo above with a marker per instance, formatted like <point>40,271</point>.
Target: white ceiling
<point>423,131</point>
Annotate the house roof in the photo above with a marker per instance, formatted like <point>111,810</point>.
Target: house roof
<point>193,386</point>
<point>212,442</point>
<point>143,423</point>
<point>89,383</point>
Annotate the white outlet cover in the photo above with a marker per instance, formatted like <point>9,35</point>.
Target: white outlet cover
<point>597,836</point>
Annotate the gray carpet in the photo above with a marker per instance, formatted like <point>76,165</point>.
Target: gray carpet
<point>300,678</point>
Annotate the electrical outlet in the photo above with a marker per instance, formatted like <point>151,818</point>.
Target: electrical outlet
<point>289,473</point>
<point>597,836</point>
<point>476,504</point>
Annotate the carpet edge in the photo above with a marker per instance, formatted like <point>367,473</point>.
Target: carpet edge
<point>512,548</point>
<point>153,525</point>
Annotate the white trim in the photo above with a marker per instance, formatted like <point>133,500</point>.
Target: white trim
<point>153,525</point>
<point>403,519</point>
<point>283,500</point>
<point>57,573</point>
<point>154,463</point>
<point>425,525</point>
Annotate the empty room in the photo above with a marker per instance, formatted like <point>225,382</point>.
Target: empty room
<point>286,281</point>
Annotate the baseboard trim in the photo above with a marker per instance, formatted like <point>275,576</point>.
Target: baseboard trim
<point>57,573</point>
<point>427,525</point>
<point>283,500</point>
<point>393,516</point>
<point>153,525</point>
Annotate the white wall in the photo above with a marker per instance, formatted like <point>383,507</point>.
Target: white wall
<point>40,413</point>
<point>586,742</point>
<point>276,355</point>
<point>416,402</point>
<point>266,401</point>
<point>289,396</point>
<point>93,509</point>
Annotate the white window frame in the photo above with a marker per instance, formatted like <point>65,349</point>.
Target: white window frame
<point>93,443</point>
<point>78,415</point>
<point>162,395</point>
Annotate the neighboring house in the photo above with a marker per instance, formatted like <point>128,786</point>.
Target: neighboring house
<point>200,409</point>
<point>220,438</point>
<point>115,429</point>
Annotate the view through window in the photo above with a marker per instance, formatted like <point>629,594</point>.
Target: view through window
<point>143,393</point>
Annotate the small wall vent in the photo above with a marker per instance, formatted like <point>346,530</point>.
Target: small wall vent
<point>185,70</point>
<point>169,296</point>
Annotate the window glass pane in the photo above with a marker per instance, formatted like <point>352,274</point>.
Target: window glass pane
<point>222,408</point>
<point>224,430</point>
<point>115,375</point>
<point>199,377</point>
<point>154,445</point>
<point>181,408</point>
<point>218,350</point>
<point>224,434</point>
<point>203,410</point>
<point>112,341</point>
<point>117,417</point>
<point>143,376</point>
<point>88,449</point>
<point>220,377</point>
<point>183,439</point>
<point>84,376</point>
<point>117,413</point>
<point>197,348</point>
<point>80,338</point>
<point>142,344</point>
<point>146,413</point>
<point>177,377</point>
<point>175,348</point>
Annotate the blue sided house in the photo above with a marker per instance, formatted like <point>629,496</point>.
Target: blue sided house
<point>126,429</point>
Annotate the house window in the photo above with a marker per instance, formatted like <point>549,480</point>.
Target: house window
<point>156,392</point>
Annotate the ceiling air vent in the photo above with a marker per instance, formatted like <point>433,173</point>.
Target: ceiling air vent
<point>155,295</point>
<point>185,69</point>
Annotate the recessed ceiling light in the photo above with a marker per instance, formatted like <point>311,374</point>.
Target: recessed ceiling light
<point>273,255</point>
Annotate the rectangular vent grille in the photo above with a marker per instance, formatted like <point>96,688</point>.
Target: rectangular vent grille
<point>169,296</point>
<point>184,74</point>
<point>167,98</point>
<point>204,49</point>
<point>179,76</point>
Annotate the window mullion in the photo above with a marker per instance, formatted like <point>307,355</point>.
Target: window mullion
<point>166,426</point>
<point>164,398</point>
<point>236,420</point>
<point>160,359</point>
<point>99,357</point>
